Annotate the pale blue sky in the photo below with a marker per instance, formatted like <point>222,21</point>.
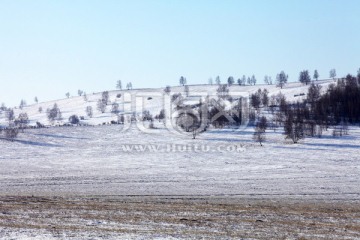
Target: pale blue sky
<point>48,48</point>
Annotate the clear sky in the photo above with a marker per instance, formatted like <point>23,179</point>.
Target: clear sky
<point>48,47</point>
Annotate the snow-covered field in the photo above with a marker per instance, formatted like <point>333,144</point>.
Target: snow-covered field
<point>99,161</point>
<point>105,161</point>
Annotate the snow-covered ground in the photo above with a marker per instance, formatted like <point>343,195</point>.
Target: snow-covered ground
<point>104,160</point>
<point>88,161</point>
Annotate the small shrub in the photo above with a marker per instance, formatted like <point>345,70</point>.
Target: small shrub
<point>147,116</point>
<point>151,125</point>
<point>53,113</point>
<point>11,133</point>
<point>39,125</point>
<point>74,119</point>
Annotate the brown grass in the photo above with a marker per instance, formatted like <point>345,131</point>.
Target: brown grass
<point>186,218</point>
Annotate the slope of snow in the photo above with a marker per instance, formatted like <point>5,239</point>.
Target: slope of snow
<point>77,105</point>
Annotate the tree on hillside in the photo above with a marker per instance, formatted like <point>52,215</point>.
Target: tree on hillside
<point>314,93</point>
<point>230,80</point>
<point>260,128</point>
<point>54,113</point>
<point>358,76</point>
<point>167,90</point>
<point>11,133</point>
<point>115,109</point>
<point>248,81</point>
<point>294,123</point>
<point>36,100</point>
<point>243,80</point>
<point>101,106</point>
<point>223,91</point>
<point>10,115</point>
<point>80,92</point>
<point>239,81</point>
<point>89,111</point>
<point>119,85</point>
<point>22,104</point>
<point>267,80</point>
<point>105,97</point>
<point>3,107</point>
<point>255,99</point>
<point>281,79</point>
<point>129,86</point>
<point>265,97</point>
<point>217,80</point>
<point>186,90</point>
<point>253,80</point>
<point>304,77</point>
<point>210,81</point>
<point>333,73</point>
<point>316,75</point>
<point>85,97</point>
<point>67,94</point>
<point>22,121</point>
<point>182,80</point>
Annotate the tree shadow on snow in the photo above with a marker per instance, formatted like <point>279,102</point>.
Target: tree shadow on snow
<point>333,145</point>
<point>41,144</point>
<point>60,136</point>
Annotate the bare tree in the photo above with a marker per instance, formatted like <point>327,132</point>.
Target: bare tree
<point>89,111</point>
<point>217,80</point>
<point>316,75</point>
<point>223,91</point>
<point>260,128</point>
<point>281,79</point>
<point>22,104</point>
<point>10,115</point>
<point>11,133</point>
<point>54,113</point>
<point>304,77</point>
<point>129,86</point>
<point>333,73</point>
<point>119,85</point>
<point>101,106</point>
<point>253,80</point>
<point>105,97</point>
<point>243,80</point>
<point>22,121</point>
<point>314,93</point>
<point>182,80</point>
<point>167,90</point>
<point>210,81</point>
<point>186,90</point>
<point>266,80</point>
<point>115,108</point>
<point>230,80</point>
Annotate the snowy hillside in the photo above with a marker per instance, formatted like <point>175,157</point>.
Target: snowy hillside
<point>153,101</point>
